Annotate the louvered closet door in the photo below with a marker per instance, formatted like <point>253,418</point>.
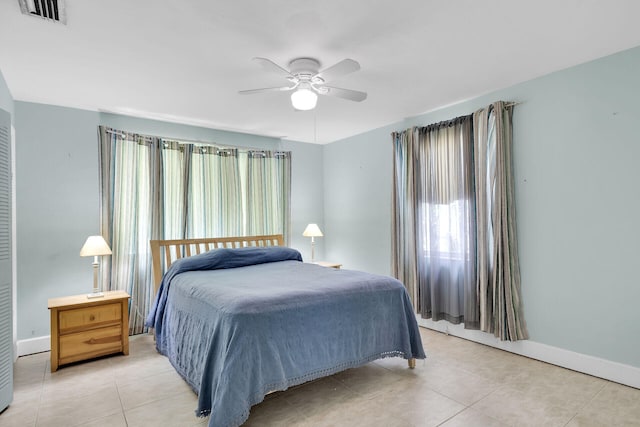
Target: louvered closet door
<point>6,316</point>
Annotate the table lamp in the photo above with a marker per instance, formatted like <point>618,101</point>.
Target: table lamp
<point>312,231</point>
<point>95,246</point>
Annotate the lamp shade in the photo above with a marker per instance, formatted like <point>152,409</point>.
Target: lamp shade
<point>312,230</point>
<point>304,99</point>
<point>95,246</point>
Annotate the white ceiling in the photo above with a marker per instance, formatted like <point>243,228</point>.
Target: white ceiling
<point>184,60</point>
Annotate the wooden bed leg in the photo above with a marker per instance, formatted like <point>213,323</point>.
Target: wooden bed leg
<point>412,363</point>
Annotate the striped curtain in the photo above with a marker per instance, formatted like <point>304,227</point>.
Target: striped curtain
<point>497,260</point>
<point>175,165</point>
<point>434,253</point>
<point>215,206</point>
<point>404,254</point>
<point>268,189</point>
<point>474,279</point>
<point>155,188</point>
<point>131,214</point>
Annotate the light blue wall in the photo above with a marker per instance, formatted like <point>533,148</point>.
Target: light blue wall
<point>357,209</point>
<point>58,205</point>
<point>577,173</point>
<point>307,193</point>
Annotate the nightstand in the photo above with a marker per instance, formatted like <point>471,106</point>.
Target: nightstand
<point>329,264</point>
<point>84,328</point>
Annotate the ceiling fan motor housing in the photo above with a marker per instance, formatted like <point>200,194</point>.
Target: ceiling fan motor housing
<point>304,68</point>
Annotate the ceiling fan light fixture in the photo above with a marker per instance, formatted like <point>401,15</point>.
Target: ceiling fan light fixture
<point>307,82</point>
<point>304,99</point>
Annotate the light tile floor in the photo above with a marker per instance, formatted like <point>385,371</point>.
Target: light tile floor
<point>460,384</point>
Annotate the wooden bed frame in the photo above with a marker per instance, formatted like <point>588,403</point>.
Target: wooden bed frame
<point>165,252</point>
<point>172,250</point>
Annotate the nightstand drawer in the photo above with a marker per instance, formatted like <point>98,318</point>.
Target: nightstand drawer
<point>91,343</point>
<point>89,317</point>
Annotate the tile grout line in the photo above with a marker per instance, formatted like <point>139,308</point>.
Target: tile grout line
<point>44,375</point>
<point>126,422</point>
<point>586,403</point>
<point>453,416</point>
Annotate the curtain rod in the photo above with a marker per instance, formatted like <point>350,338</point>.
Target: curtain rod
<point>125,134</point>
<point>452,121</point>
<point>445,123</point>
<point>456,120</point>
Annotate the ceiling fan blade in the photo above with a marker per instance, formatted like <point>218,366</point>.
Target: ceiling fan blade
<point>340,69</point>
<point>269,65</point>
<point>267,89</point>
<point>351,95</point>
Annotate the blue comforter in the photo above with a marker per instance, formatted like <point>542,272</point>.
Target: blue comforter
<point>239,323</point>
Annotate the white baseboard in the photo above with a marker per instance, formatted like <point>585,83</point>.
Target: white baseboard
<point>34,345</point>
<point>601,368</point>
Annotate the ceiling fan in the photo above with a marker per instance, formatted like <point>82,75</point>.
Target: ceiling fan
<point>307,81</point>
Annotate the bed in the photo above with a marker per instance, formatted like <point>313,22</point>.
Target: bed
<point>239,318</point>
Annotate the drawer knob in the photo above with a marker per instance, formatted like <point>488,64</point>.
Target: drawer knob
<point>92,317</point>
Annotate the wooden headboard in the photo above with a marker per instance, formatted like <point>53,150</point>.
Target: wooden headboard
<point>171,250</point>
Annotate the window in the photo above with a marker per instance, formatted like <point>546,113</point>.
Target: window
<point>444,232</point>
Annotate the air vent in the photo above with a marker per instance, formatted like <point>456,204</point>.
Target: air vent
<point>51,10</point>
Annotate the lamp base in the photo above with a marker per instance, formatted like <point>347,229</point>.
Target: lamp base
<point>95,295</point>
